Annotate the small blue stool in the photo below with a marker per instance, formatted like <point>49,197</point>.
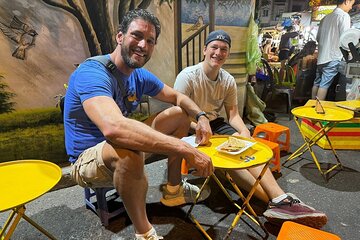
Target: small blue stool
<point>98,200</point>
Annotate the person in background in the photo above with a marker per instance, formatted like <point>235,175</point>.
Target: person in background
<point>212,88</point>
<point>106,148</point>
<point>328,37</point>
<point>285,48</point>
<point>267,53</point>
<point>306,58</point>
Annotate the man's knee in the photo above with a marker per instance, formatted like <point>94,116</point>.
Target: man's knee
<point>172,121</point>
<point>177,112</point>
<point>129,163</point>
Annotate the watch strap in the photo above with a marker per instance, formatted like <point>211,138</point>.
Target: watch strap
<point>202,113</point>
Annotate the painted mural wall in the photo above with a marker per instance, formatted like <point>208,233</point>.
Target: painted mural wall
<point>40,45</point>
<point>48,57</point>
<point>231,16</point>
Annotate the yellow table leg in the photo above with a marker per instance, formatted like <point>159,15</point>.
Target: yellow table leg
<point>246,204</point>
<point>307,146</point>
<point>20,213</point>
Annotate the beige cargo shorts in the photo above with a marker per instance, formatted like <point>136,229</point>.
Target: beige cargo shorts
<point>89,169</point>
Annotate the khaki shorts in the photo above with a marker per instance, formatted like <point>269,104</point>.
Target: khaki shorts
<point>89,169</point>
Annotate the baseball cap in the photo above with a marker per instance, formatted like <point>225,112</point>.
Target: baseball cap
<point>218,35</point>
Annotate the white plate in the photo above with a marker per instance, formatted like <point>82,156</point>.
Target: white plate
<point>350,35</point>
<point>247,145</point>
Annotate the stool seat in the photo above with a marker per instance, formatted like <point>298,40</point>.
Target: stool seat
<point>273,132</point>
<point>296,231</point>
<point>276,151</point>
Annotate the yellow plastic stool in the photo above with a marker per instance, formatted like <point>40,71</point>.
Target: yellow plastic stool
<point>276,151</point>
<point>296,231</point>
<point>273,131</point>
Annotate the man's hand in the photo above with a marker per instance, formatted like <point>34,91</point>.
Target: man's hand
<point>203,131</point>
<point>202,163</point>
<point>245,134</point>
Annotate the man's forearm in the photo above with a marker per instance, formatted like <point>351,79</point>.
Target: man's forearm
<point>240,126</point>
<point>134,135</point>
<point>188,105</point>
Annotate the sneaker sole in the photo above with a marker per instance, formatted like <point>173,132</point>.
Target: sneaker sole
<point>179,202</point>
<point>311,221</point>
<point>172,202</point>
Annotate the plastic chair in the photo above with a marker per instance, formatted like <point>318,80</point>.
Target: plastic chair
<point>274,86</point>
<point>276,151</point>
<point>273,132</point>
<point>285,87</point>
<point>98,201</point>
<point>296,231</point>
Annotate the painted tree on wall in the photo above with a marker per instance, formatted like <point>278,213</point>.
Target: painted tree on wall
<point>95,20</point>
<point>5,98</point>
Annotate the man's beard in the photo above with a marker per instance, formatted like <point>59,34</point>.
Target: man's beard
<point>128,61</point>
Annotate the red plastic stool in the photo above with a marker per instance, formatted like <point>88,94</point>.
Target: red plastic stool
<point>276,150</point>
<point>273,131</point>
<point>296,231</point>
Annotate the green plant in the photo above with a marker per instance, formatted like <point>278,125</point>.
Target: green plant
<point>5,98</point>
<point>32,134</point>
<point>44,142</point>
<point>29,118</point>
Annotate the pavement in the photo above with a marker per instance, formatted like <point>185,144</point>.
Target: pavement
<point>62,211</point>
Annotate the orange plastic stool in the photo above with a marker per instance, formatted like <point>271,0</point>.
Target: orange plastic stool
<point>273,131</point>
<point>296,231</point>
<point>184,167</point>
<point>276,150</point>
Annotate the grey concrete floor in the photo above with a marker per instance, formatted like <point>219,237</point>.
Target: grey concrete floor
<point>62,212</point>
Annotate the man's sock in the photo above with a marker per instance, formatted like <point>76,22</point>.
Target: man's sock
<point>279,198</point>
<point>172,189</point>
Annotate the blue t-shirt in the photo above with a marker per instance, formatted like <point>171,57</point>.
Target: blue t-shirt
<point>92,79</point>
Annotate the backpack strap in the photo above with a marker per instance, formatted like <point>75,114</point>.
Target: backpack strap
<point>111,67</point>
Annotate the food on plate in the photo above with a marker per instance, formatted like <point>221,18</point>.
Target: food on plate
<point>233,145</point>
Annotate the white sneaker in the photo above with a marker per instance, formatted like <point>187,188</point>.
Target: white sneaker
<point>150,235</point>
<point>186,194</point>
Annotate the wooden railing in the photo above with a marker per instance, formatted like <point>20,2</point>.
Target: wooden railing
<point>192,46</point>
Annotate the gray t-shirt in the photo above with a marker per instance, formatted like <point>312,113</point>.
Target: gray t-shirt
<point>209,95</point>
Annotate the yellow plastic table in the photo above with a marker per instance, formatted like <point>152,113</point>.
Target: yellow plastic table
<point>327,121</point>
<point>21,182</point>
<point>258,154</point>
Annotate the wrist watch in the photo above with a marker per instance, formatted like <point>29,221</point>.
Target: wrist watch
<point>202,113</point>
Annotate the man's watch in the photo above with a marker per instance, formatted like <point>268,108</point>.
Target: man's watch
<point>202,113</point>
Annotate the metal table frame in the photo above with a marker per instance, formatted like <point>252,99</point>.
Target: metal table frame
<point>263,155</point>
<point>25,177</point>
<point>327,121</point>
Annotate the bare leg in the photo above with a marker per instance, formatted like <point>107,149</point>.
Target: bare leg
<point>268,182</point>
<point>173,121</point>
<point>130,182</point>
<point>265,191</point>
<point>321,93</point>
<point>282,70</point>
<point>314,91</point>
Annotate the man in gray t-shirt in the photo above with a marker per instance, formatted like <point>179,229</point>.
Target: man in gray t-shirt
<point>212,88</point>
